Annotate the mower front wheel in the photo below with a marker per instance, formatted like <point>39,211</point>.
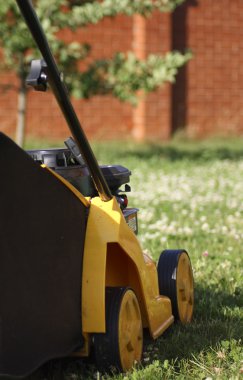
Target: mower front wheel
<point>176,282</point>
<point>122,344</point>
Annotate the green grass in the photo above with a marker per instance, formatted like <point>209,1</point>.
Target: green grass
<point>190,195</point>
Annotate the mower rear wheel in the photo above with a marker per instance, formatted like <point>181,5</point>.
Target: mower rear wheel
<point>176,282</point>
<point>122,344</point>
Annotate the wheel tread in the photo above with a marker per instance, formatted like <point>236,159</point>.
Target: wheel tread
<point>167,272</point>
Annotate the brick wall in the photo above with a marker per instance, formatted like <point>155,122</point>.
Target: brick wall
<point>207,98</point>
<point>151,118</point>
<point>158,110</point>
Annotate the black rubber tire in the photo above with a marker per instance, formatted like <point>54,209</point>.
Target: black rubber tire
<point>106,345</point>
<point>167,277</point>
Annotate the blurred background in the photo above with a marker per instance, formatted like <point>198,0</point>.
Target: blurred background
<point>204,100</point>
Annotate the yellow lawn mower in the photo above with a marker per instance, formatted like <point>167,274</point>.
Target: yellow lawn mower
<point>73,277</point>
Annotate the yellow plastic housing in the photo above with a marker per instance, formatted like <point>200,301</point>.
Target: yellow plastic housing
<point>113,257</point>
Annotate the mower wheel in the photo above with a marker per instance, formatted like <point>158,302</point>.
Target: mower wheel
<point>122,344</point>
<point>176,282</point>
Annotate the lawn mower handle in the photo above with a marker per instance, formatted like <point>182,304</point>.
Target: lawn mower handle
<point>62,97</point>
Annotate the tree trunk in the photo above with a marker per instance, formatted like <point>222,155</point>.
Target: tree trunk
<point>20,128</point>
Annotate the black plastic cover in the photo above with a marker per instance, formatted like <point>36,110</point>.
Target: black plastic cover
<point>42,232</point>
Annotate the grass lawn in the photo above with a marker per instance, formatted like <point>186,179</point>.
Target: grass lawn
<point>190,196</point>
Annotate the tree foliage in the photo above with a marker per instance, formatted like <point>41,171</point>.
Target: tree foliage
<point>94,11</point>
<point>122,75</point>
<point>125,74</point>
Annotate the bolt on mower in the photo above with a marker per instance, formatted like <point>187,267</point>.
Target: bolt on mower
<point>74,278</point>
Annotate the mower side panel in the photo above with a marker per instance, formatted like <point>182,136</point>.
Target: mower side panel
<point>42,232</point>
<point>107,226</point>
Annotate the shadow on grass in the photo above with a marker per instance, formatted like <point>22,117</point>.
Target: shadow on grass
<point>217,318</point>
<point>174,153</point>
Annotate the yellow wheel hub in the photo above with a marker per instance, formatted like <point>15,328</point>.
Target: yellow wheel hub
<point>130,333</point>
<point>184,288</point>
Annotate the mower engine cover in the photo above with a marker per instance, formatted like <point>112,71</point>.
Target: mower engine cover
<point>64,163</point>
